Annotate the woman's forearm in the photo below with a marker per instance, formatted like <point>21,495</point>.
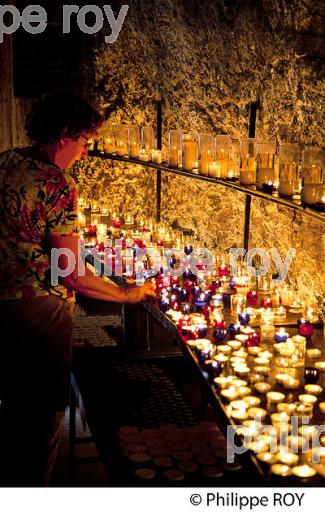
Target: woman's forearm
<point>92,286</point>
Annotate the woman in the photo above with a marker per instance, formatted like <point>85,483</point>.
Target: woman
<point>38,212</point>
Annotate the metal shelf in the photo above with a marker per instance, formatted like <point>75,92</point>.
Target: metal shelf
<point>234,185</point>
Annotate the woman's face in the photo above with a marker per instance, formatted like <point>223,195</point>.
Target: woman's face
<point>73,149</point>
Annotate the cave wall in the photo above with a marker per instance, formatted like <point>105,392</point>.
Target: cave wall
<point>207,60</point>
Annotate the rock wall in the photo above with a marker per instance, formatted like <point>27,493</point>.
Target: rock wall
<point>208,59</point>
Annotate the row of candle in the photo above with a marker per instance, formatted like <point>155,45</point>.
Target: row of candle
<point>211,156</point>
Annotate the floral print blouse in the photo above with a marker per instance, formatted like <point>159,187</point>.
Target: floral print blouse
<point>37,200</point>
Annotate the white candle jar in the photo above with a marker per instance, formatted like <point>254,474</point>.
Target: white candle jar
<point>148,140</point>
<point>313,192</point>
<point>289,178</point>
<point>109,145</point>
<point>206,152</point>
<point>247,173</point>
<point>265,163</point>
<point>121,139</point>
<point>222,156</point>
<point>134,141</point>
<point>190,152</point>
<point>174,148</point>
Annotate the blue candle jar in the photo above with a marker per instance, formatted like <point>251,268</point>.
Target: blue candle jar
<point>188,249</point>
<point>226,300</point>
<point>244,318</point>
<point>202,330</point>
<point>213,368</point>
<point>220,334</point>
<point>281,336</point>
<point>233,329</point>
<point>232,284</point>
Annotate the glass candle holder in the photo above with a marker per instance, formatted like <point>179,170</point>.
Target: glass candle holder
<point>289,178</point>
<point>247,162</point>
<point>190,152</point>
<point>134,141</point>
<point>206,152</point>
<point>313,191</point>
<point>174,148</point>
<point>265,284</point>
<point>148,140</point>
<point>121,140</point>
<point>265,151</point>
<point>237,303</point>
<point>222,156</point>
<point>109,140</point>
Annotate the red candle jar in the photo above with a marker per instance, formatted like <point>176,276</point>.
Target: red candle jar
<point>305,328</point>
<point>266,303</point>
<point>252,298</point>
<point>186,320</point>
<point>117,223</point>
<point>254,338</point>
<point>223,270</point>
<point>160,243</point>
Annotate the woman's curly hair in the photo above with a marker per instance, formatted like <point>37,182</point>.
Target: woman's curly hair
<point>61,114</point>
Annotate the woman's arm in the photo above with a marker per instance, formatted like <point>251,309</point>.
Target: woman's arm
<point>88,284</point>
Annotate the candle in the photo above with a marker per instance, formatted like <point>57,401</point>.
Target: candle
<point>266,303</point>
<point>308,431</point>
<point>262,370</point>
<point>157,156</point>
<point>223,349</point>
<point>320,365</point>
<point>219,334</point>
<point>252,298</point>
<point>234,344</point>
<point>288,408</point>
<point>241,370</point>
<point>190,153</point>
<point>307,398</point>
<point>322,407</point>
<point>313,353</point>
<point>254,351</point>
<point>267,316</point>
<point>290,459</point>
<point>281,378</point>
<point>267,187</point>
<point>280,417</point>
<point>244,318</point>
<point>303,471</point>
<point>230,393</point>
<point>144,156</point>
<point>296,306</point>
<point>313,389</point>
<point>239,415</point>
<point>261,361</point>
<point>281,335</point>
<point>267,457</point>
<point>305,328</point>
<point>281,470</point>
<point>243,338</point>
<point>255,412</point>
<point>252,401</point>
<point>262,387</point>
<point>291,383</point>
<point>221,382</point>
<point>244,391</point>
<point>280,314</point>
<point>275,397</point>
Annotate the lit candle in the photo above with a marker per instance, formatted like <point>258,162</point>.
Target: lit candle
<point>244,391</point>
<point>255,412</point>
<point>280,417</point>
<point>221,382</point>
<point>281,335</point>
<point>296,306</point>
<point>224,349</point>
<point>313,353</point>
<point>262,370</point>
<point>243,338</point>
<point>254,351</point>
<point>230,393</point>
<point>280,314</point>
<point>275,397</point>
<point>157,156</point>
<point>288,408</point>
<point>281,470</point>
<point>307,398</point>
<point>280,378</point>
<point>313,389</point>
<point>252,298</point>
<point>303,471</point>
<point>320,365</point>
<point>252,401</point>
<point>144,156</point>
<point>291,383</point>
<point>234,344</point>
<point>267,457</point>
<point>308,431</point>
<point>262,388</point>
<point>244,318</point>
<point>266,303</point>
<point>241,370</point>
<point>322,407</point>
<point>239,415</point>
<point>290,459</point>
<point>305,328</point>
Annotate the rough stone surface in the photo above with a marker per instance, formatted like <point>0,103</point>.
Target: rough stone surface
<point>208,59</point>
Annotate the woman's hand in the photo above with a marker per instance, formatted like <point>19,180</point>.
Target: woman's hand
<point>136,294</point>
